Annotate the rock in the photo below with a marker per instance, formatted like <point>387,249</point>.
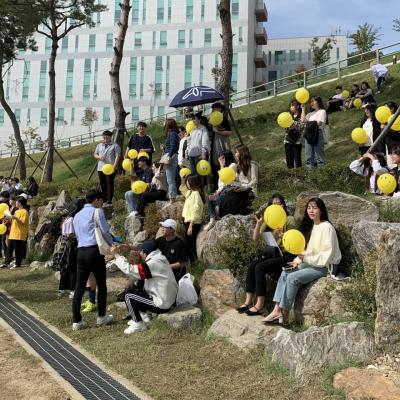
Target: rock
<point>139,238</point>
<point>362,384</point>
<point>108,211</point>
<point>37,265</point>
<point>117,282</point>
<point>33,218</point>
<point>168,210</point>
<point>387,325</point>
<point>43,214</point>
<point>240,226</point>
<point>306,352</point>
<point>319,300</point>
<point>343,209</point>
<point>132,226</point>
<point>366,235</point>
<point>201,241</point>
<point>57,276</point>
<point>244,332</point>
<point>63,200</point>
<point>45,248</point>
<point>220,291</point>
<point>183,317</point>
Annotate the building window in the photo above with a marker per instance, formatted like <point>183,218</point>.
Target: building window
<point>60,117</point>
<point>96,70</point>
<point>1,117</point>
<point>42,80</point>
<point>106,115</point>
<point>309,54</point>
<point>158,77</point>
<point>337,53</point>
<point>292,56</point>
<point>64,44</point>
<point>141,77</point>
<point>234,71</point>
<point>135,114</point>
<point>280,57</point>
<point>25,84</point>
<point>235,10</point>
<point>135,12</point>
<point>160,11</point>
<point>167,77</point>
<point>76,42</point>
<point>138,40</point>
<point>69,80</point>
<point>47,45</point>
<point>144,12</point>
<point>109,42</point>
<point>188,71</point>
<point>117,12</point>
<point>203,10</point>
<point>28,116</point>
<point>181,39</point>
<point>169,11</point>
<point>240,35</point>
<point>132,78</point>
<point>217,9</point>
<point>72,116</point>
<point>8,84</point>
<point>190,38</point>
<point>300,55</point>
<point>17,113</point>
<point>43,116</point>
<point>86,79</point>
<point>201,77</point>
<point>161,111</point>
<point>189,10</point>
<point>163,39</point>
<point>154,40</point>
<point>207,37</point>
<point>92,43</point>
<point>272,76</point>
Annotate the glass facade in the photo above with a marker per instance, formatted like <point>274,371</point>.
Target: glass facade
<point>109,42</point>
<point>158,77</point>
<point>117,12</point>
<point>189,10</point>
<point>96,72</point>
<point>92,43</point>
<point>202,10</point>
<point>86,78</point>
<point>43,116</point>
<point>73,116</point>
<point>17,113</point>
<point>201,74</point>
<point>292,56</point>
<point>106,115</point>
<point>47,46</point>
<point>167,77</point>
<point>235,10</point>
<point>76,43</point>
<point>234,71</point>
<point>64,44</point>
<point>60,117</point>
<point>144,11</point>
<point>190,38</point>
<point>1,117</point>
<point>207,37</point>
<point>69,80</point>
<point>141,77</point>
<point>25,83</point>
<point>42,80</point>
<point>181,39</point>
<point>160,11</point>
<point>138,40</point>
<point>188,71</point>
<point>132,78</point>
<point>135,12</point>
<point>163,39</point>
<point>135,114</point>
<point>169,11</point>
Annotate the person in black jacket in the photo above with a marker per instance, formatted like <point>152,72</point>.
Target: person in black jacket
<point>32,187</point>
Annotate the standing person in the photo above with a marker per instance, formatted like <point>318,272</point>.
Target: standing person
<point>4,198</point>
<point>372,126</point>
<point>18,233</point>
<point>173,248</point>
<point>170,157</point>
<point>197,148</point>
<point>182,159</point>
<point>140,142</point>
<point>192,212</point>
<point>322,254</point>
<point>379,72</point>
<point>220,141</point>
<point>107,153</point>
<point>318,114</point>
<point>89,258</point>
<point>293,136</point>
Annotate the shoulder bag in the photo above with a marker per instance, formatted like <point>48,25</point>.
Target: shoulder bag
<point>104,246</point>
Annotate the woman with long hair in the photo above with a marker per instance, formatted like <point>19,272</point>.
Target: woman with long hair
<point>293,136</point>
<point>32,187</point>
<point>366,94</point>
<point>371,125</point>
<point>322,254</point>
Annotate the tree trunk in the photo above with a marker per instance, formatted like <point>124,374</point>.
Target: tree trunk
<point>48,168</point>
<point>15,125</point>
<point>224,83</point>
<point>120,113</point>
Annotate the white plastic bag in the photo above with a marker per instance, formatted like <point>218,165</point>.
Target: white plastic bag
<point>186,292</point>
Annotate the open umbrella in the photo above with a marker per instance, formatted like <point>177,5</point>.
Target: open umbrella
<point>196,95</point>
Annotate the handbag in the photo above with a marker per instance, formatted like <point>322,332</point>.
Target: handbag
<point>104,246</point>
<point>311,133</point>
<point>165,159</point>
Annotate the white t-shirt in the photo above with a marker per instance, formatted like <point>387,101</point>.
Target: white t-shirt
<point>319,116</point>
<point>370,132</point>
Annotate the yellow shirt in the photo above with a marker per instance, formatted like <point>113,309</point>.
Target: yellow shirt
<point>193,207</point>
<point>20,225</point>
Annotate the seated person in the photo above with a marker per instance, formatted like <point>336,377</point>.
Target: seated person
<point>16,186</point>
<point>157,289</point>
<point>335,103</point>
<point>366,94</point>
<point>145,174</point>
<point>173,248</point>
<point>348,103</point>
<point>32,188</point>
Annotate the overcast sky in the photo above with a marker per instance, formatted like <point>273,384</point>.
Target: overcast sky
<point>288,18</point>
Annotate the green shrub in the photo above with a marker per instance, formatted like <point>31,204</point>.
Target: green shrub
<point>389,212</point>
<point>349,253</point>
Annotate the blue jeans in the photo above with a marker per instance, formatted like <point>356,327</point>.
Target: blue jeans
<point>290,281</point>
<point>170,171</point>
<point>131,201</point>
<point>212,204</point>
<point>315,153</point>
<point>193,163</point>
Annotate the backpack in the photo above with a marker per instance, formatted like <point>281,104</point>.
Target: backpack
<point>293,135</point>
<point>311,133</point>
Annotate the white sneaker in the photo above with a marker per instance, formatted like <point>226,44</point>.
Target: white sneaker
<point>12,264</point>
<point>145,319</point>
<point>61,293</point>
<point>71,294</point>
<point>210,225</point>
<point>133,214</point>
<point>135,327</point>
<point>104,320</point>
<point>77,326</point>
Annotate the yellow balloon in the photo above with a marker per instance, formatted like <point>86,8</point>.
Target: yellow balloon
<point>3,207</point>
<point>345,94</point>
<point>227,175</point>
<point>383,114</point>
<point>359,135</point>
<point>285,120</point>
<point>126,165</point>
<point>302,95</point>
<point>139,187</point>
<point>387,183</point>
<point>143,154</point>
<point>293,241</point>
<point>1,215</point>
<point>394,127</point>
<point>189,127</point>
<point>132,154</point>
<point>275,216</point>
<point>203,168</point>
<point>357,103</point>
<point>3,229</point>
<point>216,118</point>
<point>107,169</point>
<point>184,172</point>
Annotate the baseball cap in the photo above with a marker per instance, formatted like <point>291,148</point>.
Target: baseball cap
<point>24,195</point>
<point>148,246</point>
<point>169,223</point>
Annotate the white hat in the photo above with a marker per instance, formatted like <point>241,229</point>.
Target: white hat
<point>23,195</point>
<point>169,223</point>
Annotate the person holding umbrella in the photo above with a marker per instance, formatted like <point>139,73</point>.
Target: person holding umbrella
<point>197,148</point>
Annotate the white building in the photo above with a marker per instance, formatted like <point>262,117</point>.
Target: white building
<point>170,45</point>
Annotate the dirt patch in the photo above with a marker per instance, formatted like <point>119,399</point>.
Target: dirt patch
<point>22,376</point>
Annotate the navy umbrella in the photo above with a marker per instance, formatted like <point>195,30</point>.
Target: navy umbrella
<point>196,95</point>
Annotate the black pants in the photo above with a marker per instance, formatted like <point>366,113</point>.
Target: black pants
<point>379,82</point>
<point>214,170</point>
<point>149,197</point>
<point>68,277</point>
<point>107,186</point>
<point>293,155</point>
<point>19,247</point>
<point>137,300</point>
<point>191,240</point>
<point>89,260</point>
<point>3,246</point>
<point>255,279</point>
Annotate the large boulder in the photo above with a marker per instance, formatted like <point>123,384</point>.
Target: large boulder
<point>44,250</point>
<point>37,266</point>
<point>363,384</point>
<point>220,291</point>
<point>43,214</point>
<point>183,317</point>
<point>132,226</point>
<point>343,209</point>
<point>244,332</point>
<point>33,218</point>
<point>306,352</point>
<point>63,200</point>
<point>319,300</point>
<point>387,325</point>
<point>170,210</point>
<point>366,235</point>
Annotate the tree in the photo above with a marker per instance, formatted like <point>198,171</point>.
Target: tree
<point>62,17</point>
<point>30,134</point>
<point>396,24</point>
<point>225,76</point>
<point>88,119</point>
<point>320,55</point>
<point>365,38</point>
<point>11,145</point>
<point>17,25</point>
<point>119,111</point>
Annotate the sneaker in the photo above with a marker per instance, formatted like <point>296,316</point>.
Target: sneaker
<point>61,293</point>
<point>145,319</point>
<point>77,326</point>
<point>133,214</point>
<point>13,266</point>
<point>71,294</point>
<point>135,327</point>
<point>210,225</point>
<point>89,307</point>
<point>107,319</point>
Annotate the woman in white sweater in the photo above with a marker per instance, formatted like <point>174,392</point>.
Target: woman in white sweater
<point>322,254</point>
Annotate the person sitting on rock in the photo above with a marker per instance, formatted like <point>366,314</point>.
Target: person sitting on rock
<point>159,292</point>
<point>173,248</point>
<point>273,259</point>
<point>322,254</point>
